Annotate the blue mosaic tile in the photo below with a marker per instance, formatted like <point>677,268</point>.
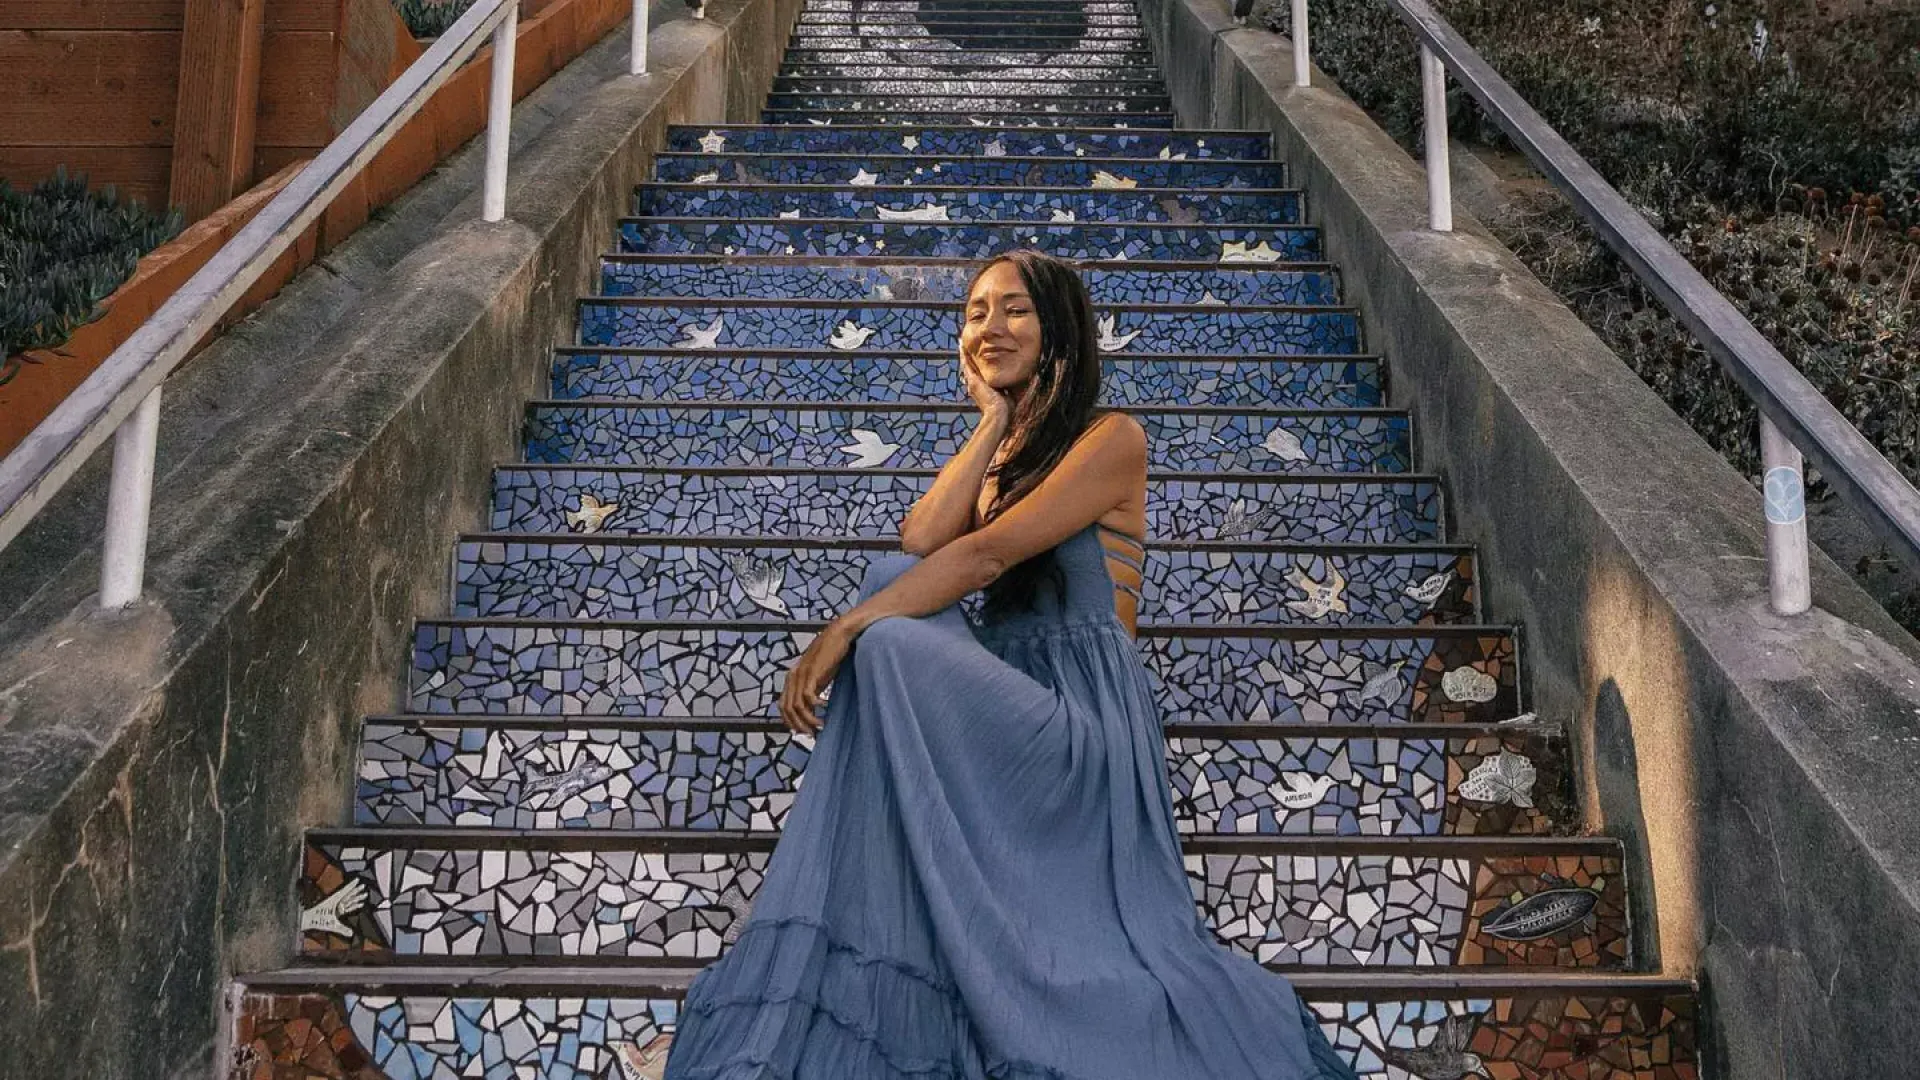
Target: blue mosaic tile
<point>713,276</point>
<point>970,204</point>
<point>565,578</point>
<point>972,240</point>
<point>602,776</point>
<point>978,62</point>
<point>927,116</point>
<point>926,436</point>
<point>902,169</point>
<point>969,140</point>
<point>998,36</point>
<point>1288,383</point>
<point>554,669</point>
<point>1362,510</point>
<point>891,326</point>
<point>969,102</point>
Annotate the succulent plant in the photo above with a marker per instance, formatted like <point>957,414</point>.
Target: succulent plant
<point>430,18</point>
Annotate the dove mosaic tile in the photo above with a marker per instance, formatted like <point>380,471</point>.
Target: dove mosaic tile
<point>929,203</point>
<point>534,900</point>
<point>351,1036</point>
<point>758,276</point>
<point>904,169</point>
<point>973,240</point>
<point>1013,142</point>
<point>1383,676</point>
<point>677,376</point>
<point>926,436</point>
<point>1409,908</point>
<point>539,578</point>
<point>536,498</point>
<point>642,322</point>
<point>600,775</point>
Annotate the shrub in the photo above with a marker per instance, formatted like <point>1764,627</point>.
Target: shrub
<point>63,249</point>
<point>430,18</point>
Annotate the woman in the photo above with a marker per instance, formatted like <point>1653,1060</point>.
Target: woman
<point>981,877</point>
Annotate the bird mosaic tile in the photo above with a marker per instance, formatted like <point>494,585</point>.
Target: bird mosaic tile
<point>667,375</point>
<point>1325,440</point>
<point>973,240</point>
<point>555,499</point>
<point>910,167</point>
<point>644,322</point>
<point>967,140</point>
<point>930,203</point>
<point>721,276</point>
<point>1312,675</point>
<point>563,578</point>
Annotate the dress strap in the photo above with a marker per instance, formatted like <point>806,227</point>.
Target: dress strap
<point>1136,560</point>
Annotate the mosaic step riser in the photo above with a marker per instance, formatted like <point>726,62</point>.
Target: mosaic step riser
<point>966,140</point>
<point>829,117</point>
<point>973,240</point>
<point>926,436</point>
<point>558,578</point>
<point>1147,95</point>
<point>1363,510</point>
<point>973,204</point>
<point>692,376</point>
<point>979,62</point>
<point>1063,19</point>
<point>1079,79</point>
<point>970,35</point>
<point>1011,171</point>
<point>645,323</point>
<point>883,98</point>
<point>711,277</point>
<point>1309,676</point>
<point>596,774</point>
<point>585,1034</point>
<point>1430,905</point>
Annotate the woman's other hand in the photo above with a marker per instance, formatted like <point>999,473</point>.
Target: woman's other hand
<point>805,692</point>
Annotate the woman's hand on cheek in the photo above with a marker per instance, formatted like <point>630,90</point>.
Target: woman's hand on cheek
<point>805,691</point>
<point>994,405</point>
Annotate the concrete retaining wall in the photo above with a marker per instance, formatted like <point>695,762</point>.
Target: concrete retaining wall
<point>1759,768</point>
<point>158,766</point>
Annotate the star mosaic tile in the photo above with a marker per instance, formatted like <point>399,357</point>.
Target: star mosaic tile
<point>715,276</point>
<point>926,436</point>
<point>934,167</point>
<point>971,240</point>
<point>1377,677</point>
<point>969,204</point>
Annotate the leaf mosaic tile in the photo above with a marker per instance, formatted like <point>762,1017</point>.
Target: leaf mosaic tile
<point>970,204</point>
<point>711,276</point>
<point>972,240</point>
<point>669,376</point>
<point>1359,510</point>
<point>934,168</point>
<point>1379,677</point>
<point>1320,441</point>
<point>1015,142</point>
<point>884,326</point>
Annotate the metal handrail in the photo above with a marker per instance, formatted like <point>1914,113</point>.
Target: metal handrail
<point>122,396</point>
<point>1794,416</point>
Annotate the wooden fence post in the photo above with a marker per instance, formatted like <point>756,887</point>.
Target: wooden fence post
<point>213,130</point>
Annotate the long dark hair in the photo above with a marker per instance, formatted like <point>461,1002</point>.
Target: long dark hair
<point>1060,402</point>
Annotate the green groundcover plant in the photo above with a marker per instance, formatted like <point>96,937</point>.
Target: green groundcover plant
<point>430,18</point>
<point>63,249</point>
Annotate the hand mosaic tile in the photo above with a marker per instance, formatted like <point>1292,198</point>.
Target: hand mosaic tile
<point>821,377</point>
<point>1358,509</point>
<point>933,167</point>
<point>648,322</point>
<point>1278,675</point>
<point>1268,207</point>
<point>924,436</point>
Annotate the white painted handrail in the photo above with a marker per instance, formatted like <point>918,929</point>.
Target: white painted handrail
<point>121,398</point>
<point>1794,416</point>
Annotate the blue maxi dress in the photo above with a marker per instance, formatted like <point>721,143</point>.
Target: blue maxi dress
<point>980,878</point>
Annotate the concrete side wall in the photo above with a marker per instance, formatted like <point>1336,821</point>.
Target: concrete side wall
<point>157,767</point>
<point>1759,768</point>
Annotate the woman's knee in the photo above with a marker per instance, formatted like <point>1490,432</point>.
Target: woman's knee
<point>882,571</point>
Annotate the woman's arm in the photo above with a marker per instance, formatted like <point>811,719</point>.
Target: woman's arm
<point>1099,473</point>
<point>946,511</point>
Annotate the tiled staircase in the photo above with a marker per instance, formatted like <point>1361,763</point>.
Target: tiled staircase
<point>577,808</point>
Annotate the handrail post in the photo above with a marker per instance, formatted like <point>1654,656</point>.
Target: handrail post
<point>123,563</point>
<point>1302,53</point>
<point>493,202</point>
<point>1433,87</point>
<point>637,64</point>
<point>1784,487</point>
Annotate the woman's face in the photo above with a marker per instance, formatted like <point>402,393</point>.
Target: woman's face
<point>1001,334</point>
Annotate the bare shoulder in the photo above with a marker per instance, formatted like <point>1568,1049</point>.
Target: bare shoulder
<point>1116,435</point>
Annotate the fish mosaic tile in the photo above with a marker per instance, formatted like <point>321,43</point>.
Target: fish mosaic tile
<point>564,578</point>
<point>971,240</point>
<point>909,168</point>
<point>968,140</point>
<point>929,203</point>
<point>599,775</point>
<point>677,376</point>
<point>1314,676</point>
<point>642,322</point>
<point>925,436</point>
<point>697,276</point>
